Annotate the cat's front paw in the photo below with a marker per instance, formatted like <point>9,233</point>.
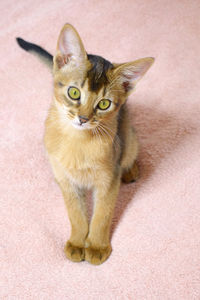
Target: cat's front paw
<point>74,253</point>
<point>97,256</point>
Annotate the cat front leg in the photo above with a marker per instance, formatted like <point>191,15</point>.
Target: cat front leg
<point>75,202</point>
<point>97,246</point>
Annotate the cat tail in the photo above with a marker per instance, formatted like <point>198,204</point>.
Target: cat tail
<point>36,50</point>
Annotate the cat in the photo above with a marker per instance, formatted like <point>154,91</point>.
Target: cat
<point>89,138</point>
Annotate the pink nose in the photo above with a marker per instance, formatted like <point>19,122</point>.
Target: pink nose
<point>83,119</point>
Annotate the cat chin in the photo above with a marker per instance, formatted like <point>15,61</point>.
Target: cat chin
<point>80,127</point>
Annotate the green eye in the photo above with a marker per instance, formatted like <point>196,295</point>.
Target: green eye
<point>74,93</point>
<point>104,104</point>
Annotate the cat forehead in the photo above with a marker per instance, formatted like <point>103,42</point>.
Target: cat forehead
<point>97,73</point>
<point>93,76</point>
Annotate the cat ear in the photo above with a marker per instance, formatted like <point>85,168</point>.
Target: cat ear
<point>69,47</point>
<point>129,74</point>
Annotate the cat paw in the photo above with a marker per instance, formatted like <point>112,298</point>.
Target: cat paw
<point>74,253</point>
<point>97,256</point>
<point>131,175</point>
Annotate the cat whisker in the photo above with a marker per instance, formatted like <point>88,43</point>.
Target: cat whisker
<point>97,134</point>
<point>101,132</point>
<point>105,126</point>
<point>107,134</point>
<point>114,138</point>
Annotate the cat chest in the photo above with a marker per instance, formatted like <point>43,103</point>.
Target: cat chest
<point>81,163</point>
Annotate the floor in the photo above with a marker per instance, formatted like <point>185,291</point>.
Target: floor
<point>155,232</point>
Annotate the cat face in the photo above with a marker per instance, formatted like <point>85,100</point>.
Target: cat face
<point>89,96</point>
<point>90,90</point>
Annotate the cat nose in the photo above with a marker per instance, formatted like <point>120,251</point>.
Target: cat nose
<point>83,119</point>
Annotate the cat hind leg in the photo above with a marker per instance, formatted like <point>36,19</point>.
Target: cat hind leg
<point>131,174</point>
<point>130,170</point>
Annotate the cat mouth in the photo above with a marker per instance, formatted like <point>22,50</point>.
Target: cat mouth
<point>80,126</point>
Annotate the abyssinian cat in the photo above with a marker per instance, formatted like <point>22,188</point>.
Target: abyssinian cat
<point>89,139</point>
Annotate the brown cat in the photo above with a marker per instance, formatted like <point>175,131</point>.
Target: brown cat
<point>89,138</point>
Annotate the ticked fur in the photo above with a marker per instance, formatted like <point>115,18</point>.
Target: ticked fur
<point>91,148</point>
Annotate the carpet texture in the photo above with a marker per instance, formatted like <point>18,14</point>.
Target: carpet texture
<point>155,232</point>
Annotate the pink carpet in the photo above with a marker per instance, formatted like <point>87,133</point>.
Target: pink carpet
<point>156,228</point>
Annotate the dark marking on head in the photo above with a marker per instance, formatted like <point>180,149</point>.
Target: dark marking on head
<point>104,91</point>
<point>60,84</point>
<point>71,112</point>
<point>82,84</point>
<point>71,103</point>
<point>97,76</point>
<point>127,86</point>
<point>59,61</point>
<point>68,102</point>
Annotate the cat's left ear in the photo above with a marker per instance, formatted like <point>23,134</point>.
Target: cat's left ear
<point>128,74</point>
<point>70,48</point>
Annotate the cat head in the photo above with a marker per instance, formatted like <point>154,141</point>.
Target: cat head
<point>90,90</point>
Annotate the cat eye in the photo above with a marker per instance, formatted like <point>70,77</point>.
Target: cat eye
<point>74,93</point>
<point>104,104</point>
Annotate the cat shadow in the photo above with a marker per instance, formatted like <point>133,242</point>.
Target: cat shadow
<point>159,134</point>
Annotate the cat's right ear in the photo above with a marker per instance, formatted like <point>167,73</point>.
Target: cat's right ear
<point>70,48</point>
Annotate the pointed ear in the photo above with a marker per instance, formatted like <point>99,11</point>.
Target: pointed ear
<point>69,47</point>
<point>129,74</point>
